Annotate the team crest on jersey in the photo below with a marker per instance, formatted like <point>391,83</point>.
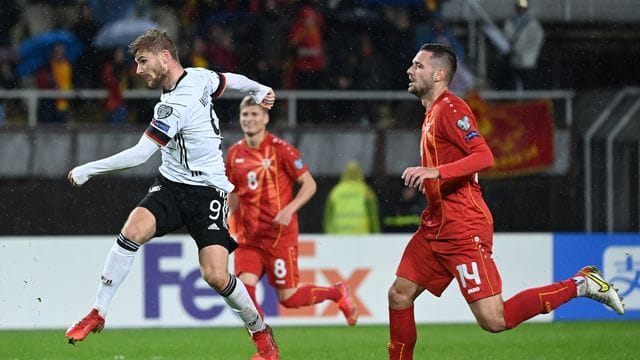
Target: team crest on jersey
<point>298,164</point>
<point>164,111</point>
<point>266,163</point>
<point>464,124</point>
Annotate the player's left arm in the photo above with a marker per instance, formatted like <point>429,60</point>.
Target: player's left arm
<point>261,94</point>
<point>463,132</point>
<point>307,189</point>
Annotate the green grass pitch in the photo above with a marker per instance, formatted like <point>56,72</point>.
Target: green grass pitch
<point>565,340</point>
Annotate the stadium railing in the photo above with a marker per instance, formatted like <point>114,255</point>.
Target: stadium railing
<point>31,98</point>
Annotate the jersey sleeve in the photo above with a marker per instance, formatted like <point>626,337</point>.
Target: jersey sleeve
<point>293,164</point>
<point>165,124</point>
<point>219,84</point>
<point>460,128</point>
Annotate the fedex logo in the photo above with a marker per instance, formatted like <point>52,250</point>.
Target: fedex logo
<point>203,303</point>
<point>307,248</point>
<point>156,278</point>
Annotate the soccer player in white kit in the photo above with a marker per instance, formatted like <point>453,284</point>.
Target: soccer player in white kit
<point>191,187</point>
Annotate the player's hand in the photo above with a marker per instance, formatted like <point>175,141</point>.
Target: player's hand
<point>76,177</point>
<point>416,175</point>
<point>283,217</point>
<point>269,99</point>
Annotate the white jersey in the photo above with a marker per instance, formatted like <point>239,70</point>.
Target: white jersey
<point>187,128</point>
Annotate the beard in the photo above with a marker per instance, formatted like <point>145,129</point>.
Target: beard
<point>419,90</point>
<point>155,82</point>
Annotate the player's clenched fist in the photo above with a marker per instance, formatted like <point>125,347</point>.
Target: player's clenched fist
<point>269,99</point>
<point>416,175</point>
<point>77,177</point>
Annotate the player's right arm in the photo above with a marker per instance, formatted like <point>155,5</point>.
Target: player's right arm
<point>233,202</point>
<point>131,157</point>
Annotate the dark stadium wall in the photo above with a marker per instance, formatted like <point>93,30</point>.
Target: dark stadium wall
<point>53,207</point>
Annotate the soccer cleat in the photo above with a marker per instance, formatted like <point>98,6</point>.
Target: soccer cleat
<point>347,305</point>
<point>266,345</point>
<point>600,290</point>
<point>93,322</point>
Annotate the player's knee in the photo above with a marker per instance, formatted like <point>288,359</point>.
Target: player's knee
<point>492,325</point>
<point>136,233</point>
<point>288,303</point>
<point>140,226</point>
<point>217,280</point>
<point>398,299</point>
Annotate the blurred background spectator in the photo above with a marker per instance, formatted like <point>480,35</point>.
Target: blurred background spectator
<point>526,36</point>
<point>115,78</point>
<point>57,73</point>
<point>352,206</point>
<point>85,29</point>
<point>306,62</point>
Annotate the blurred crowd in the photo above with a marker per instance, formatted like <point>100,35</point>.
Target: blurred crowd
<point>288,44</point>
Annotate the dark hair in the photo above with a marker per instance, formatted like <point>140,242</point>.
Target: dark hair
<point>444,54</point>
<point>154,40</point>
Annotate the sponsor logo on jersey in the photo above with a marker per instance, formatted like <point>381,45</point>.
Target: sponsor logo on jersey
<point>155,188</point>
<point>164,111</point>
<point>464,124</point>
<point>473,290</point>
<point>471,135</point>
<point>298,163</point>
<point>239,160</point>
<point>162,126</point>
<point>213,227</point>
<point>266,163</point>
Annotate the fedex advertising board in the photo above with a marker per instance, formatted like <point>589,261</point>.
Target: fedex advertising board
<point>51,282</point>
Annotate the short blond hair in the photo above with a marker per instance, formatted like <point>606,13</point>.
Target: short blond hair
<point>154,40</point>
<point>249,101</point>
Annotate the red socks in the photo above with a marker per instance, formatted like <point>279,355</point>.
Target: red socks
<point>311,294</point>
<point>403,334</point>
<point>252,294</point>
<point>541,300</point>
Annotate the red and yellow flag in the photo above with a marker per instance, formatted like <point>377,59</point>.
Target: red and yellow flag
<point>520,135</point>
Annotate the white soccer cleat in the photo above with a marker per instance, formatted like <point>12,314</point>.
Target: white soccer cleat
<point>598,289</point>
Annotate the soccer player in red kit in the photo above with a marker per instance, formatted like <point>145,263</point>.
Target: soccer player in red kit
<point>264,169</point>
<point>455,237</point>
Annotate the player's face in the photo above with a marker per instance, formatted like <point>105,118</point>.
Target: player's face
<point>152,68</point>
<point>421,74</point>
<point>253,120</point>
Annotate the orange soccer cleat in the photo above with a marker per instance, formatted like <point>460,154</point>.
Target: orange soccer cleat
<point>93,322</point>
<point>347,305</point>
<point>266,345</point>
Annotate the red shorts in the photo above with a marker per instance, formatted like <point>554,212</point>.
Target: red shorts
<point>280,264</point>
<point>432,264</point>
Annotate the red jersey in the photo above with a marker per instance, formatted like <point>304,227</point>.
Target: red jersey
<point>264,180</point>
<point>451,142</point>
